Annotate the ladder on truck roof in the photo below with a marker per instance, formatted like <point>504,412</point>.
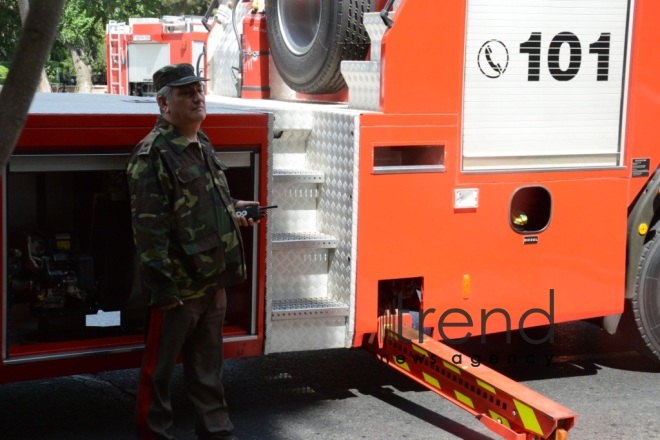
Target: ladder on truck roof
<point>508,408</point>
<point>116,57</point>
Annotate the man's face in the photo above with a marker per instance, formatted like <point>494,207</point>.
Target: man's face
<point>187,105</point>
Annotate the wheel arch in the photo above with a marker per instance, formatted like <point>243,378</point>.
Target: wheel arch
<point>643,216</point>
<point>642,220</point>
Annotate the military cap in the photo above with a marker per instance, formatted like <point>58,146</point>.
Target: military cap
<point>175,75</point>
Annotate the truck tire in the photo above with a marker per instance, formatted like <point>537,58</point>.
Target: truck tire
<point>309,40</point>
<point>642,315</point>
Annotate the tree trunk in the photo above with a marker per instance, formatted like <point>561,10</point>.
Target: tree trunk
<point>83,71</point>
<point>23,9</point>
<point>32,52</point>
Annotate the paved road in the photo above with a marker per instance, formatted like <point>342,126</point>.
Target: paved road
<point>347,394</point>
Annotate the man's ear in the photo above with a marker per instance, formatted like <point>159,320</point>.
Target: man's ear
<point>162,103</point>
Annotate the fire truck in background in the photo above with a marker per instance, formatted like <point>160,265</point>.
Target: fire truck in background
<point>149,44</point>
<point>442,170</point>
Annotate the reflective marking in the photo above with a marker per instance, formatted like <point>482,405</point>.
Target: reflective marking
<point>420,350</point>
<point>498,418</point>
<point>486,386</point>
<point>464,399</point>
<point>528,417</point>
<point>451,367</point>
<point>404,365</point>
<point>432,380</point>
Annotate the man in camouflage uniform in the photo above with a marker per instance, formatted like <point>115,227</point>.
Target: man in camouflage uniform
<point>190,250</point>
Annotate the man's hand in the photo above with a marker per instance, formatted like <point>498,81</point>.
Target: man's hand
<point>171,306</point>
<point>242,204</point>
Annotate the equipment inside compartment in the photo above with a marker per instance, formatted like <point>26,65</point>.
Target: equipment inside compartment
<point>70,255</point>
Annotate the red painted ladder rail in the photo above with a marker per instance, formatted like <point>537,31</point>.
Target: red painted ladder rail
<point>508,408</point>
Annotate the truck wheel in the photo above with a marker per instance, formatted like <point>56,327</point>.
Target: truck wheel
<point>309,40</point>
<point>642,315</point>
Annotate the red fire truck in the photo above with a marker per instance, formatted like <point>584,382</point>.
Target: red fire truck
<point>441,169</point>
<point>149,44</point>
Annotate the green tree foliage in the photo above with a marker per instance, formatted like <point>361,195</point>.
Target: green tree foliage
<point>10,29</point>
<point>82,31</point>
<point>3,73</point>
<point>80,46</point>
<point>34,43</point>
<point>185,7</point>
<point>83,22</point>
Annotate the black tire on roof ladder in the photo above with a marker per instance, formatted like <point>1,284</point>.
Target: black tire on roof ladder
<point>641,320</point>
<point>309,41</point>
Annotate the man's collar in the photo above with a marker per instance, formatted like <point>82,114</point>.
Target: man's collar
<point>175,137</point>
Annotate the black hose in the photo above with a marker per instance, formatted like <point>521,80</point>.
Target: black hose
<point>199,60</point>
<point>205,19</point>
<point>384,14</point>
<point>239,85</point>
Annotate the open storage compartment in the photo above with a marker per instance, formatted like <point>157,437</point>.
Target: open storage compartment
<point>71,267</point>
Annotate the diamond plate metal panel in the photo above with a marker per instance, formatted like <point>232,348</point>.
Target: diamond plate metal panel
<point>333,149</point>
<point>284,175</point>
<point>299,274</point>
<point>363,80</point>
<point>305,334</point>
<point>290,140</point>
<point>289,117</point>
<point>303,240</point>
<point>289,148</point>
<point>289,160</point>
<point>308,308</point>
<point>375,27</point>
<point>296,210</point>
<point>225,59</point>
<point>308,273</point>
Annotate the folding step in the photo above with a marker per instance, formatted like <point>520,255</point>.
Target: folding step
<point>287,335</point>
<point>302,240</point>
<point>308,308</point>
<point>298,176</point>
<point>504,406</point>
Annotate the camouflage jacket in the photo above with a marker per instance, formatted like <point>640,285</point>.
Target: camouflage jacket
<point>184,222</point>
